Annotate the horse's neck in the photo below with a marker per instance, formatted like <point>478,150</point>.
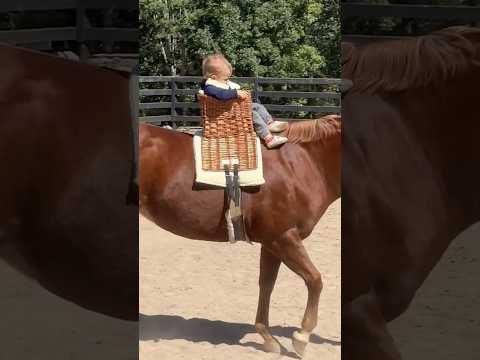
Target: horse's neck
<point>447,126</point>
<point>326,156</point>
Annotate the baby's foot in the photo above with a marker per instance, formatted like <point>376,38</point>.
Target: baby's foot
<point>277,126</point>
<point>273,141</point>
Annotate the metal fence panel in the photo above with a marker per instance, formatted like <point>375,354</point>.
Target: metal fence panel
<point>174,104</point>
<point>81,32</point>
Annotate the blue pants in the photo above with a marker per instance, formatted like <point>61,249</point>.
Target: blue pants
<point>260,119</point>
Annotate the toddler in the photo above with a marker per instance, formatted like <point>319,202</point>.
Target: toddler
<point>216,73</point>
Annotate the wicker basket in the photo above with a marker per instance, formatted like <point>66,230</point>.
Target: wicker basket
<point>228,133</point>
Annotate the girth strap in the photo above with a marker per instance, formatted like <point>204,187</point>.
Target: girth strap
<point>236,186</point>
<point>233,215</point>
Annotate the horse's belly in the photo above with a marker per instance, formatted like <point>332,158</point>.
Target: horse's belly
<point>196,216</point>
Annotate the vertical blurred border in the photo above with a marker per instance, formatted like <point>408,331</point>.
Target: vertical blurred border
<point>441,321</point>
<point>69,278</point>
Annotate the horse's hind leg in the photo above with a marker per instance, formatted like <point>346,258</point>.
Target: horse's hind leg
<point>294,255</point>
<point>269,265</point>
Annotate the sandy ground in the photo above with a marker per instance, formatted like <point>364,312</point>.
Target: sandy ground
<point>209,314</point>
<point>198,299</point>
<point>37,325</point>
<point>443,321</point>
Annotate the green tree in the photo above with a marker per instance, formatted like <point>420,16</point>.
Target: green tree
<point>296,38</point>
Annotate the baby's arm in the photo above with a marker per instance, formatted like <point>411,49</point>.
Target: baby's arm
<point>219,93</point>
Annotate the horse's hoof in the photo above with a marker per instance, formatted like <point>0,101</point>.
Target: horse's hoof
<point>272,347</point>
<point>300,342</point>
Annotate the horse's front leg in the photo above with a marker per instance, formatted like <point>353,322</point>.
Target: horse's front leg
<point>269,265</point>
<point>364,331</point>
<point>292,252</point>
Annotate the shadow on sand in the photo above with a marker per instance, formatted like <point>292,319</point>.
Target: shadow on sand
<point>169,327</point>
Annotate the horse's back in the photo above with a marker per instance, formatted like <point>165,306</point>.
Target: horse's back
<point>165,146</point>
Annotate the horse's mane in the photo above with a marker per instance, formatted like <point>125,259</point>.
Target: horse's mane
<point>412,62</point>
<point>313,130</point>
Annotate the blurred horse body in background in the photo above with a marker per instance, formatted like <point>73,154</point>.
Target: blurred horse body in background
<point>410,174</point>
<point>66,158</point>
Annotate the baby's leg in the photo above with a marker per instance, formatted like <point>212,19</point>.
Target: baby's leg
<point>262,112</point>
<point>273,126</point>
<point>261,121</point>
<point>260,125</point>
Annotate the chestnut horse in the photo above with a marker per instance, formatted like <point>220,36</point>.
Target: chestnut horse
<point>66,154</point>
<point>302,180</point>
<point>410,174</point>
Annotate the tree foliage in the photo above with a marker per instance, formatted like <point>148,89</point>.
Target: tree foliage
<point>295,38</point>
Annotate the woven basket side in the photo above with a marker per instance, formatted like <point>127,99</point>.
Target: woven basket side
<point>228,133</point>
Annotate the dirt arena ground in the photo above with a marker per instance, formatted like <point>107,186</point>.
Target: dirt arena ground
<point>37,325</point>
<point>181,320</point>
<point>198,299</point>
<point>443,321</point>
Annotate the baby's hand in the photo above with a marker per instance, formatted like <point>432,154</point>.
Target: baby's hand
<point>242,94</point>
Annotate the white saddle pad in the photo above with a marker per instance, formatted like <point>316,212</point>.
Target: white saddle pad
<point>217,178</point>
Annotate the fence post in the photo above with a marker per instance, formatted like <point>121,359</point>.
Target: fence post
<point>108,22</point>
<point>475,3</point>
<point>80,30</point>
<point>255,89</point>
<point>173,100</point>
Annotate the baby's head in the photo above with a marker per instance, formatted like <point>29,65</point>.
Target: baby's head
<point>216,67</point>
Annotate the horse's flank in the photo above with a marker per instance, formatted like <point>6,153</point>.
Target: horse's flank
<point>66,140</point>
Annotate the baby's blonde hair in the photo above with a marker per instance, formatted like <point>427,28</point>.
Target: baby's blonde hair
<point>209,67</point>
